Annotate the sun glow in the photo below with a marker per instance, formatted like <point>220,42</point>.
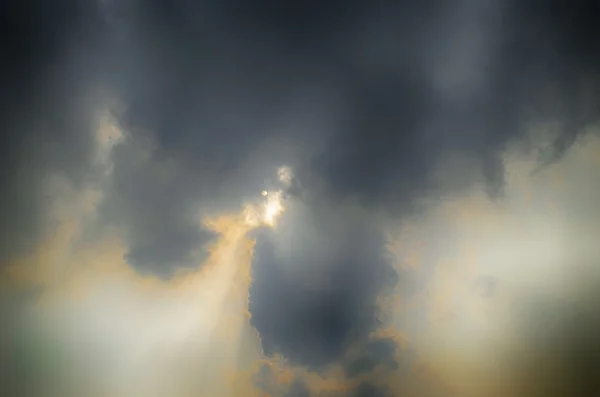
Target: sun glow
<point>273,207</point>
<point>122,333</point>
<point>267,212</point>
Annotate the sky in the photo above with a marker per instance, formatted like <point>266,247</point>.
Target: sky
<point>299,199</point>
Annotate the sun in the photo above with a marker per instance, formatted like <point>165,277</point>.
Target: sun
<point>269,209</point>
<point>273,207</point>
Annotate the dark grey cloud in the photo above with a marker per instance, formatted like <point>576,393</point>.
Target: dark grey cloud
<point>366,389</point>
<point>405,85</point>
<point>362,100</point>
<point>404,119</point>
<point>298,389</point>
<point>155,202</point>
<point>316,281</point>
<point>378,351</point>
<point>44,107</point>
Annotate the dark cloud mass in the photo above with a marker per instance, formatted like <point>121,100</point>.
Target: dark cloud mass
<point>154,200</point>
<point>315,285</point>
<point>44,108</point>
<point>380,351</point>
<point>363,100</point>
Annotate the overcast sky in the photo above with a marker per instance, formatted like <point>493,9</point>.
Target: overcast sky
<point>298,199</point>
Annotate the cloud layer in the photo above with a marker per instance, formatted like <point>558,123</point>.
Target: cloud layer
<point>444,163</point>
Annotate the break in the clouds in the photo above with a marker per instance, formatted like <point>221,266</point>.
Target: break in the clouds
<point>382,111</point>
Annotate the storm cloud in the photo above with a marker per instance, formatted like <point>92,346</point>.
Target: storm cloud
<point>316,283</point>
<point>364,101</point>
<point>381,111</point>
